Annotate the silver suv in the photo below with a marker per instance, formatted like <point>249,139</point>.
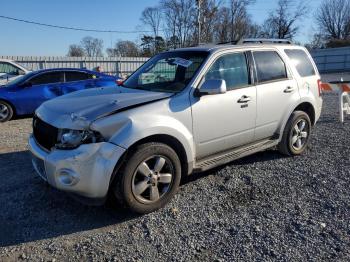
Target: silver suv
<point>183,111</point>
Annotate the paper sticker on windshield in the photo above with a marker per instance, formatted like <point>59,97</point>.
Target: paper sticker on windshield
<point>182,62</point>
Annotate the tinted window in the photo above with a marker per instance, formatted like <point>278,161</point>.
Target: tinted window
<point>47,78</point>
<point>301,62</point>
<point>269,66</point>
<point>76,76</point>
<point>232,68</point>
<point>8,69</point>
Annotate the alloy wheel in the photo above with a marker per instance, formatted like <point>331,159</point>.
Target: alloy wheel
<point>300,134</point>
<point>4,112</point>
<point>152,179</point>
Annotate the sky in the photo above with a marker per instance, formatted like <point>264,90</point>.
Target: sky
<point>18,38</point>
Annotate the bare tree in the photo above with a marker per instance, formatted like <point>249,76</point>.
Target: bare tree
<point>282,22</point>
<point>152,17</point>
<point>333,19</point>
<point>76,50</point>
<point>240,20</point>
<point>208,15</point>
<point>92,46</point>
<point>233,22</point>
<point>179,21</point>
<point>123,48</point>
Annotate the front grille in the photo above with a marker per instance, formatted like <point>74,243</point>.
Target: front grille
<point>44,134</point>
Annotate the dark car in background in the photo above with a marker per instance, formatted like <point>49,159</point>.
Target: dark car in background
<point>25,94</point>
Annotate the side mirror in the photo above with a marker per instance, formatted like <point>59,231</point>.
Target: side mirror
<point>21,72</point>
<point>211,87</point>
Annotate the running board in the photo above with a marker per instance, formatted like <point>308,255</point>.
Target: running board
<point>228,156</point>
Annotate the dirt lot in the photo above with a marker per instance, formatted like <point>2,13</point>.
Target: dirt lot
<point>263,207</point>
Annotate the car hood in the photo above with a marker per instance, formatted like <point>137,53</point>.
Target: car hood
<point>79,109</point>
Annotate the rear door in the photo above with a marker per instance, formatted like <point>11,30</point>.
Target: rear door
<point>276,92</point>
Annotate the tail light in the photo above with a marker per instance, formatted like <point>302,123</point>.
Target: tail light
<point>119,82</point>
<point>319,85</point>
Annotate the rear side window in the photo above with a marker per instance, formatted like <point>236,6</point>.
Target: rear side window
<point>301,62</point>
<point>269,66</point>
<point>76,76</point>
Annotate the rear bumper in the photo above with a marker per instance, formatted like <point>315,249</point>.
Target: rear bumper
<point>319,110</point>
<point>85,171</point>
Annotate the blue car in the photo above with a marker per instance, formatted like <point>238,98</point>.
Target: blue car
<point>25,94</point>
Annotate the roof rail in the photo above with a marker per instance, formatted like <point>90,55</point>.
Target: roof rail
<point>265,40</point>
<point>233,42</point>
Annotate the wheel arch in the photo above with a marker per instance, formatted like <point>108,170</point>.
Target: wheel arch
<point>309,109</point>
<point>305,106</point>
<point>168,140</point>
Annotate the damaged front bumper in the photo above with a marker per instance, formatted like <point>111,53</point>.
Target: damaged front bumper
<point>85,171</point>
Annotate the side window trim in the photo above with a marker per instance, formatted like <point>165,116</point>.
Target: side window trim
<point>250,80</point>
<point>252,70</point>
<point>256,79</point>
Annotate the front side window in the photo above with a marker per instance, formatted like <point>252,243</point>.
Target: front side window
<point>72,76</point>
<point>47,78</point>
<point>232,68</point>
<point>269,66</point>
<point>301,62</point>
<point>7,68</point>
<point>167,72</point>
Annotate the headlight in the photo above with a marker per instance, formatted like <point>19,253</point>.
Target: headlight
<point>69,139</point>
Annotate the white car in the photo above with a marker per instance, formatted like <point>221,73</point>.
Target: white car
<point>10,70</point>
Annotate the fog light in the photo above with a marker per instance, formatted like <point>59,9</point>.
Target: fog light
<point>67,177</point>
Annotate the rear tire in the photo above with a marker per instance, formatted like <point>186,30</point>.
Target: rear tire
<point>6,112</point>
<point>149,178</point>
<point>296,134</point>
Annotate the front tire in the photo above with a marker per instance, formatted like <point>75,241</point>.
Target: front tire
<point>6,112</point>
<point>149,178</point>
<point>296,134</point>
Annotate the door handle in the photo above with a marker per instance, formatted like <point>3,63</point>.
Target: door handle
<point>244,99</point>
<point>289,89</point>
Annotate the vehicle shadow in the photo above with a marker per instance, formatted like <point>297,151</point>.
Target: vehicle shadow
<point>31,210</point>
<point>268,155</point>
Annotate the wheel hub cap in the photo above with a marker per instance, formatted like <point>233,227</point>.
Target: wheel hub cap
<point>3,112</point>
<point>300,134</point>
<point>152,179</point>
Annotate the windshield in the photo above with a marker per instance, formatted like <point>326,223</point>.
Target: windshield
<point>167,72</point>
<point>25,67</point>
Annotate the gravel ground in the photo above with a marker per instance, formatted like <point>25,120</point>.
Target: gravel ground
<point>263,207</point>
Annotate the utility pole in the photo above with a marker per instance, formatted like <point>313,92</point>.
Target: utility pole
<point>199,2</point>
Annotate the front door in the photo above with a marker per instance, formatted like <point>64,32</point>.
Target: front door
<point>39,89</point>
<point>225,121</point>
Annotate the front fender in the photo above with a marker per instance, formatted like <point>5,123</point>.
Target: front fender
<point>134,130</point>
